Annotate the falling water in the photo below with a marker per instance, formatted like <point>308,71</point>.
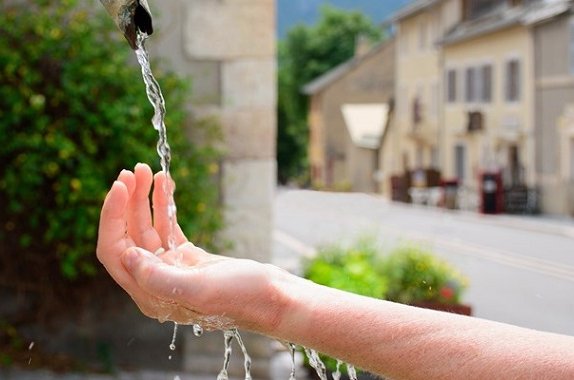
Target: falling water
<point>337,373</point>
<point>351,372</point>
<point>292,350</point>
<point>316,362</point>
<point>157,101</point>
<point>228,336</point>
<point>246,357</point>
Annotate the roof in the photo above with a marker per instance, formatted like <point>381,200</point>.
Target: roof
<point>366,123</point>
<point>506,17</point>
<point>412,9</point>
<point>320,83</point>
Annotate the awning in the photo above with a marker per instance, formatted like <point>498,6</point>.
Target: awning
<point>366,123</point>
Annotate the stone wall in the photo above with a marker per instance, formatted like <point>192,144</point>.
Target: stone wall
<point>227,48</point>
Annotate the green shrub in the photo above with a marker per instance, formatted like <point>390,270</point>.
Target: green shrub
<point>73,113</point>
<point>415,275</point>
<point>348,268</point>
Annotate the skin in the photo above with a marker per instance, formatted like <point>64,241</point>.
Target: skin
<point>189,285</point>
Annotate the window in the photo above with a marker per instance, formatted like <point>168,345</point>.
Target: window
<point>470,85</point>
<point>486,80</point>
<point>513,80</point>
<point>451,86</point>
<point>460,161</point>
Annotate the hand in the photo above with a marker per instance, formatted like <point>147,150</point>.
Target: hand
<point>186,285</point>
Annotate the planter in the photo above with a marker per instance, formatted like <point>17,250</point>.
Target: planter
<point>449,308</point>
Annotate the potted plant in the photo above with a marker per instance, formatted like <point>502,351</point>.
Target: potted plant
<point>419,278</point>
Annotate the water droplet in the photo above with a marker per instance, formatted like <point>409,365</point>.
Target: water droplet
<point>169,357</point>
<point>31,346</point>
<point>172,347</point>
<point>197,330</point>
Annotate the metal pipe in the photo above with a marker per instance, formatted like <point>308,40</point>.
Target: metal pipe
<point>130,16</point>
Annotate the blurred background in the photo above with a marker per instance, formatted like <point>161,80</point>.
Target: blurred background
<point>417,151</point>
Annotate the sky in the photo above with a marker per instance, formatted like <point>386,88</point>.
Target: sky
<point>292,12</point>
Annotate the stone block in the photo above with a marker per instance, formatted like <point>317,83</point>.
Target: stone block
<point>249,83</point>
<point>249,134</point>
<point>239,28</point>
<point>249,183</point>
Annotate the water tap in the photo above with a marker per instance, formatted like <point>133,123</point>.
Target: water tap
<point>130,16</point>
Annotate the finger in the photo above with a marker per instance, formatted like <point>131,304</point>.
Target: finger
<point>162,221</point>
<point>140,226</point>
<point>128,179</point>
<point>112,229</point>
<point>112,240</point>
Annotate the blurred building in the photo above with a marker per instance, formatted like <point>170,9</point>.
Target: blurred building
<point>484,89</point>
<point>489,93</point>
<point>554,106</point>
<point>414,137</point>
<point>349,112</point>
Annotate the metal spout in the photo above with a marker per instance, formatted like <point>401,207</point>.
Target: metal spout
<point>130,16</point>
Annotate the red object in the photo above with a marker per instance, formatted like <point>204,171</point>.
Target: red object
<point>491,193</point>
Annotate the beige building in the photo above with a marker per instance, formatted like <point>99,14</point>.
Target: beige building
<point>554,107</point>
<point>348,114</point>
<point>489,112</point>
<point>414,139</point>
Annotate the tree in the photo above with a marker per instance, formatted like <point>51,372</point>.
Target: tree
<point>73,113</point>
<point>306,53</point>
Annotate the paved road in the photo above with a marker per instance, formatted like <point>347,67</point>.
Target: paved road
<point>521,270</point>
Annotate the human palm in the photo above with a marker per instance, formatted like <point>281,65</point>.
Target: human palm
<point>186,284</point>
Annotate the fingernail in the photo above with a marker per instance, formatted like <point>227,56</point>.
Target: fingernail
<point>131,258</point>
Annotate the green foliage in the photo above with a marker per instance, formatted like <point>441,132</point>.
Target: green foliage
<point>416,275</point>
<point>348,268</point>
<point>306,53</point>
<point>73,113</point>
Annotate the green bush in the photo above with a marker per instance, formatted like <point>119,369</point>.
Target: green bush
<point>348,268</point>
<point>73,113</point>
<point>415,275</point>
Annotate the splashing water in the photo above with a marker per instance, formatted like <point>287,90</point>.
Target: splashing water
<point>228,338</point>
<point>246,357</point>
<point>316,362</point>
<point>351,372</point>
<point>292,350</point>
<point>337,373</point>
<point>172,344</point>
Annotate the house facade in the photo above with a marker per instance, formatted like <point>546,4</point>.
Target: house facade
<point>554,107</point>
<point>415,135</point>
<point>348,113</point>
<point>489,97</point>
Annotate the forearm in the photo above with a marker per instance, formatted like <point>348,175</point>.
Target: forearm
<point>410,343</point>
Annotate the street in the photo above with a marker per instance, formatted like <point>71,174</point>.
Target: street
<point>520,269</point>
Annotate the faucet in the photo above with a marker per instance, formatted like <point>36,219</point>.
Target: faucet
<point>130,16</point>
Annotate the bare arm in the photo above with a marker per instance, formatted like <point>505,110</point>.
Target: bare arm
<point>386,338</point>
